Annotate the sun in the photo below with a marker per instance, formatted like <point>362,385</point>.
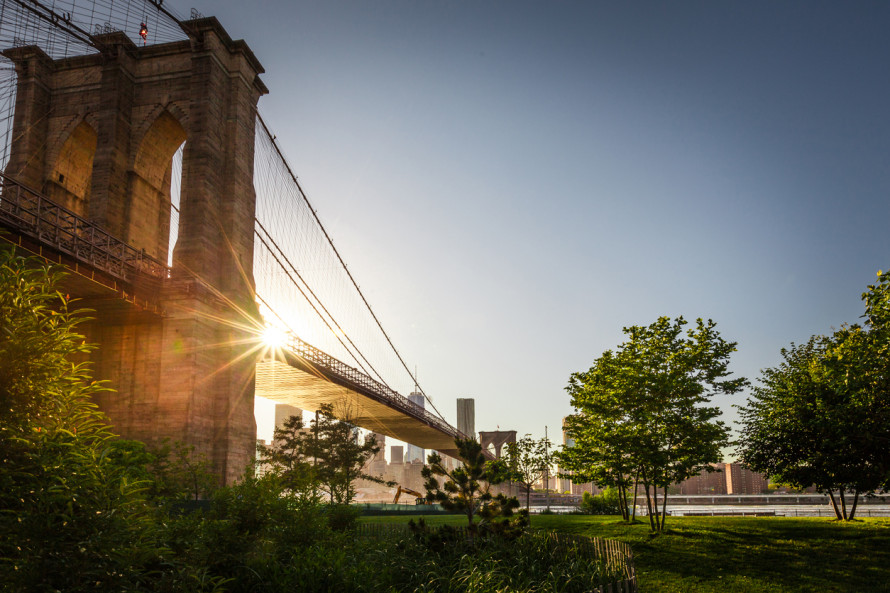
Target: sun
<point>274,337</point>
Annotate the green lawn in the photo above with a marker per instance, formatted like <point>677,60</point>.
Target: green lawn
<point>735,554</point>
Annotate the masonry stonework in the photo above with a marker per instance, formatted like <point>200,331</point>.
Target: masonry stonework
<point>97,134</point>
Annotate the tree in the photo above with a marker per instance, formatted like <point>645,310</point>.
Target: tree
<point>527,460</point>
<point>74,514</point>
<point>467,489</point>
<point>822,417</point>
<point>290,457</point>
<point>641,409</point>
<point>328,454</point>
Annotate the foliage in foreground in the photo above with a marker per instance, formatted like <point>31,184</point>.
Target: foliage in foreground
<point>81,510</point>
<point>73,512</point>
<point>531,562</point>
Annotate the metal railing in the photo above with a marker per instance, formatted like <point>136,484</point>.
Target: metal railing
<point>27,212</point>
<point>390,397</point>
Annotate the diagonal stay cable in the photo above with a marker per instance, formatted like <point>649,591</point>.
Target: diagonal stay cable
<point>318,300</point>
<point>342,263</point>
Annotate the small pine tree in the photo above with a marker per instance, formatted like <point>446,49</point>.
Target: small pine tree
<point>468,488</point>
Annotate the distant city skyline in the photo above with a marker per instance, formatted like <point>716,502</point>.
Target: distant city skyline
<point>512,183</point>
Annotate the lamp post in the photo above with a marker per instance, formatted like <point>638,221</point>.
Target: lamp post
<point>546,469</point>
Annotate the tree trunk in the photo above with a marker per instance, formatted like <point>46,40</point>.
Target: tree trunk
<point>622,501</point>
<point>843,502</point>
<point>618,487</point>
<point>528,497</point>
<point>837,511</point>
<point>649,506</point>
<point>636,484</point>
<point>664,505</point>
<point>855,503</point>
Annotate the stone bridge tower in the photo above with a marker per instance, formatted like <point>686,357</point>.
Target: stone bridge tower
<point>97,134</point>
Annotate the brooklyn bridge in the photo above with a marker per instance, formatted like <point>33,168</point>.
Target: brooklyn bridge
<point>135,156</point>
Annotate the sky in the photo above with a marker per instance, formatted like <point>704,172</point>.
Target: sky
<point>512,183</point>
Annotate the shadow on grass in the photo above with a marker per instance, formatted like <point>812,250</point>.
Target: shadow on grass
<point>754,554</point>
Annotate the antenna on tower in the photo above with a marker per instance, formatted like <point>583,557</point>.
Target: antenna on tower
<point>416,386</point>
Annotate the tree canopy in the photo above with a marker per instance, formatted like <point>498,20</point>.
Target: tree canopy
<point>641,410</point>
<point>329,455</point>
<point>822,416</point>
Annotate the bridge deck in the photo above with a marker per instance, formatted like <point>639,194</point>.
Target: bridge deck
<point>308,386</point>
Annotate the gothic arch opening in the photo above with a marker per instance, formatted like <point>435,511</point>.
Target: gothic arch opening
<point>175,201</point>
<point>150,186</point>
<point>70,179</point>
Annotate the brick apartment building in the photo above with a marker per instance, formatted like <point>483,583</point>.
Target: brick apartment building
<point>728,478</point>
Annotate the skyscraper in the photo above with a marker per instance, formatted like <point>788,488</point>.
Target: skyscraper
<point>285,411</point>
<point>466,416</point>
<point>415,453</point>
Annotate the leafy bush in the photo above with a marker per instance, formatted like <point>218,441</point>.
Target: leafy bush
<point>342,517</point>
<point>606,503</point>
<point>74,515</point>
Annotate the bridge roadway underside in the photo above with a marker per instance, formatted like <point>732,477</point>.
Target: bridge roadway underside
<point>93,289</point>
<point>308,388</point>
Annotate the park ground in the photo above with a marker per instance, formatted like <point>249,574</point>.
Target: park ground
<point>740,554</point>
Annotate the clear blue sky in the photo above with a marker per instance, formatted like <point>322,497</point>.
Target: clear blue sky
<point>511,183</point>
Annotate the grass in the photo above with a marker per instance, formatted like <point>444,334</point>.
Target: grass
<point>740,554</point>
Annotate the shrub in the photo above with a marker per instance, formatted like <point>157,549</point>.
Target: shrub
<point>74,512</point>
<point>533,561</point>
<point>606,503</point>
<point>342,517</point>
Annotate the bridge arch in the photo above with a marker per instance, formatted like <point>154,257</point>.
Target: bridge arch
<point>70,177</point>
<point>149,185</point>
<point>494,440</point>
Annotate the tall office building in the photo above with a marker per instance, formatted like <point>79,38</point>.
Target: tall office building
<point>285,411</point>
<point>415,453</point>
<point>466,416</point>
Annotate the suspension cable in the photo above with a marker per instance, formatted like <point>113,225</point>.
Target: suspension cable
<point>342,263</point>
